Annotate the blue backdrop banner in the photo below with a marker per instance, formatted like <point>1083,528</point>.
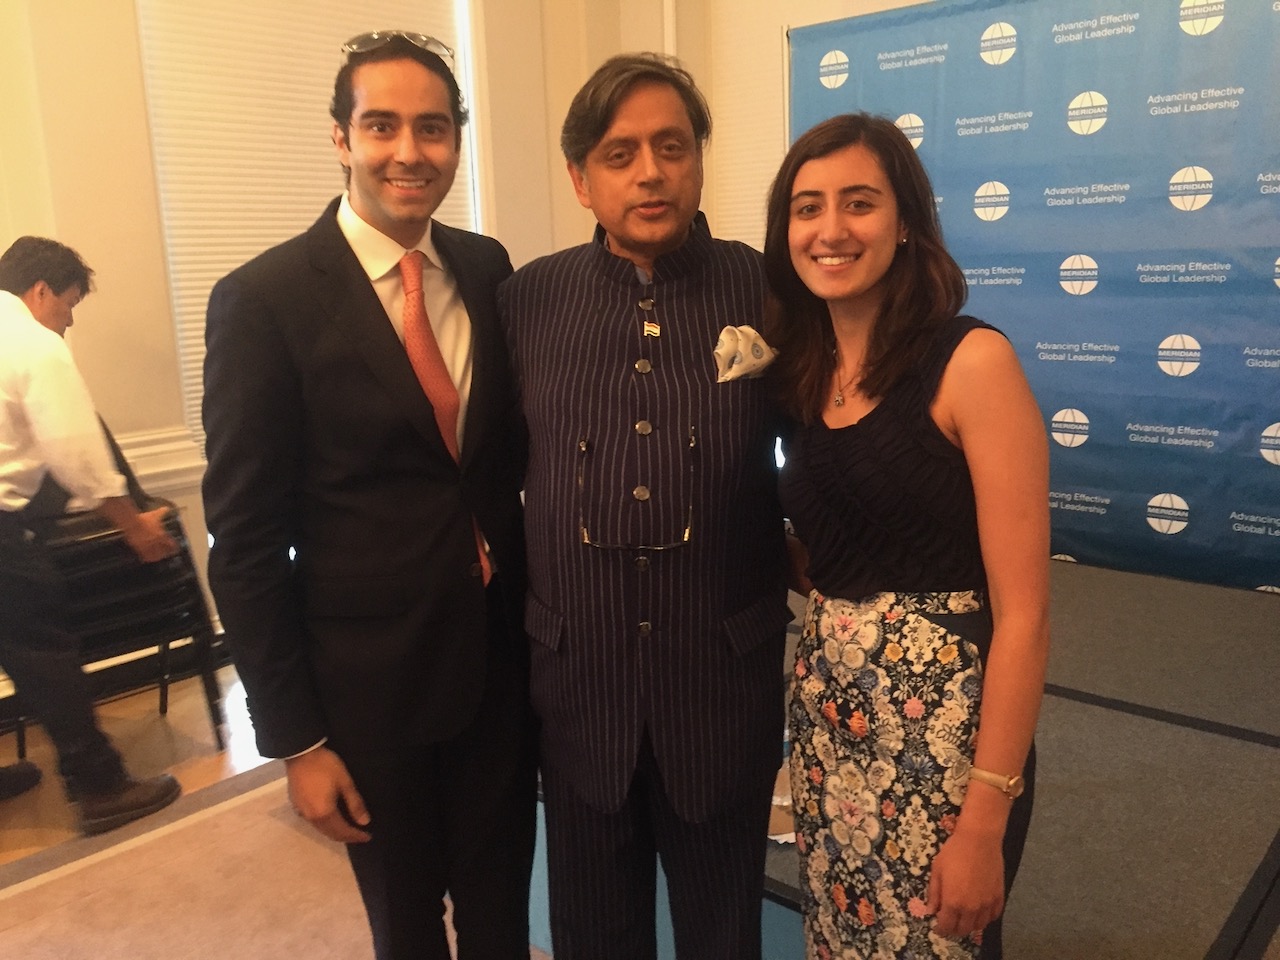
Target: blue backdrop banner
<point>1108,176</point>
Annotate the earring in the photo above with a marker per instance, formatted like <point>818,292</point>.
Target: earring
<point>902,241</point>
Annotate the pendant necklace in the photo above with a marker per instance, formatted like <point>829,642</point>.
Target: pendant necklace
<point>838,400</point>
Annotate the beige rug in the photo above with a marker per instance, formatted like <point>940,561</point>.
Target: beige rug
<point>241,878</point>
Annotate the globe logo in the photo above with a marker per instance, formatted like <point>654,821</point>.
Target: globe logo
<point>1087,113</point>
<point>833,71</point>
<point>912,127</point>
<point>1270,444</point>
<point>999,43</point>
<point>1198,17</point>
<point>1078,274</point>
<point>1179,355</point>
<point>1277,274</point>
<point>1069,427</point>
<point>1065,557</point>
<point>1167,513</point>
<point>1191,188</point>
<point>991,201</point>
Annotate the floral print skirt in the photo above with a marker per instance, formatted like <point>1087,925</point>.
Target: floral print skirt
<point>884,718</point>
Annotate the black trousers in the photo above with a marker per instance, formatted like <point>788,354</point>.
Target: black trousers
<point>43,659</point>
<point>603,877</point>
<point>458,818</point>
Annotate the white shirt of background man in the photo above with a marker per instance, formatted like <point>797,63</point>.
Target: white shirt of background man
<point>47,418</point>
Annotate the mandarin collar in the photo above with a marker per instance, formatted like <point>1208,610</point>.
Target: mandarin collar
<point>683,260</point>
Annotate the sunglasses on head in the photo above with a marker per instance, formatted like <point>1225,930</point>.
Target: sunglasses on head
<point>380,38</point>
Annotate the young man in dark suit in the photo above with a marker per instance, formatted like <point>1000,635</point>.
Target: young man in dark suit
<point>363,495</point>
<point>657,602</point>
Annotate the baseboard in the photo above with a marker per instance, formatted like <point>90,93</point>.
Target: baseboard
<point>167,462</point>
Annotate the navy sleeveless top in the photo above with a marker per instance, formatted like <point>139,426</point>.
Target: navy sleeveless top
<point>886,504</point>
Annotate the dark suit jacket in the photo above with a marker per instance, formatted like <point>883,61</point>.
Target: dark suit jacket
<point>321,442</point>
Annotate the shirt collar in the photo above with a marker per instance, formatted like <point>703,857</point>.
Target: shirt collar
<point>379,254</point>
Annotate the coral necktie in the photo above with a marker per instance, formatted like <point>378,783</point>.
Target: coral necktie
<point>428,364</point>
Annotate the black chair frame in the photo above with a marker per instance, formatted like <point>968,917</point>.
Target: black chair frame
<point>118,605</point>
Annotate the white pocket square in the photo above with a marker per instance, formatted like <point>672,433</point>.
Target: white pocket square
<point>741,353</point>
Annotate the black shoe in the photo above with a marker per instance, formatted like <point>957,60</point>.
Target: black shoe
<point>18,778</point>
<point>100,812</point>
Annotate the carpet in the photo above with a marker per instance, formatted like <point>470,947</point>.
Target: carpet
<point>238,876</point>
<point>228,871</point>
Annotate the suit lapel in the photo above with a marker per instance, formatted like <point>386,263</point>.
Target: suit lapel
<point>344,292</point>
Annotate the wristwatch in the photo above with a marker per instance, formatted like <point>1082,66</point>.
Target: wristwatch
<point>1010,786</point>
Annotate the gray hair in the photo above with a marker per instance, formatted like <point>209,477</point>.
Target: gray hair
<point>593,107</point>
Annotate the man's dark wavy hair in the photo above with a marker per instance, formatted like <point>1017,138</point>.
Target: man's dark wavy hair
<point>32,259</point>
<point>396,48</point>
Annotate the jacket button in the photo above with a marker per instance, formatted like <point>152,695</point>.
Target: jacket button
<point>644,428</point>
<point>642,562</point>
<point>646,628</point>
<point>643,366</point>
<point>646,303</point>
<point>641,493</point>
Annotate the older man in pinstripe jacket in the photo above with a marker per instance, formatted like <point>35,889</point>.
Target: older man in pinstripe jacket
<point>657,600</point>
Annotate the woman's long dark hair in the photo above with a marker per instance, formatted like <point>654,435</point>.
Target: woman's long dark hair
<point>924,286</point>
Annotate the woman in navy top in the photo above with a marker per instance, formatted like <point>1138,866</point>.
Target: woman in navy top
<point>917,479</point>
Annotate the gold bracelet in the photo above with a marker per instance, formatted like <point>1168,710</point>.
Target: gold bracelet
<point>1010,785</point>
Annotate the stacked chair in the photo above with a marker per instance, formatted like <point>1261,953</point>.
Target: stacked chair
<point>119,606</point>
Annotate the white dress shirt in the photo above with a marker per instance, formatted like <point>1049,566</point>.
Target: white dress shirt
<point>47,419</point>
<point>380,256</point>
